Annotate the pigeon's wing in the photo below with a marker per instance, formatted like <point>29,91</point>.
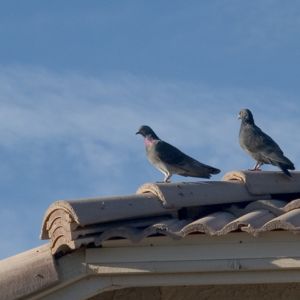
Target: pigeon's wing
<point>187,166</point>
<point>170,154</point>
<point>266,146</point>
<point>257,140</point>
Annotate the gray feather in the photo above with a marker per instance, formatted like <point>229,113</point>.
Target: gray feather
<point>170,160</point>
<point>260,146</point>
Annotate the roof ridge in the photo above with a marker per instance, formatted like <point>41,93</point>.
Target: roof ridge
<point>175,210</point>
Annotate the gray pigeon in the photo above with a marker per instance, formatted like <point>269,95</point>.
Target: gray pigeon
<point>260,146</point>
<point>170,160</point>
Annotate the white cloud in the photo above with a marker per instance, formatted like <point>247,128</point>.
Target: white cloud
<point>97,115</point>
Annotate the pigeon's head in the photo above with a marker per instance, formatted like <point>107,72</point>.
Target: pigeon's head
<point>147,132</point>
<point>246,116</point>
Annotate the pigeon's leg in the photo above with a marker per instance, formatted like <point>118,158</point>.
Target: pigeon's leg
<point>167,177</point>
<point>256,167</point>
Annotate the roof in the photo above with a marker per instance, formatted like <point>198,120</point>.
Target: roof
<point>27,272</point>
<point>165,235</point>
<point>246,201</point>
<point>197,260</point>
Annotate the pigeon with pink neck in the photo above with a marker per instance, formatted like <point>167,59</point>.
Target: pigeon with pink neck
<point>169,160</point>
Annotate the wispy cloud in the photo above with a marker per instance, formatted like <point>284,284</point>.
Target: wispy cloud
<point>95,118</point>
<point>66,135</point>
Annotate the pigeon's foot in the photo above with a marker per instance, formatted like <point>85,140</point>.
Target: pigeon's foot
<point>257,167</point>
<point>167,178</point>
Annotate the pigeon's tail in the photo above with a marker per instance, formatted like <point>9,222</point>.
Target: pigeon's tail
<point>286,165</point>
<point>204,171</point>
<point>194,168</point>
<point>285,171</point>
<point>213,170</point>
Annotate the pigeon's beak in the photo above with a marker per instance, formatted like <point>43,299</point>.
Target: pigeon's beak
<point>138,132</point>
<point>239,116</point>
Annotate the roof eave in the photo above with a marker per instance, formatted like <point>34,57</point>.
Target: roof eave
<point>236,258</point>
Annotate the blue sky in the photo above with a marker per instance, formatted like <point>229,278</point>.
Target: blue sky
<point>78,79</point>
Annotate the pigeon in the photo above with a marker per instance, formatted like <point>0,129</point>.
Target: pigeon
<point>260,146</point>
<point>170,160</point>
